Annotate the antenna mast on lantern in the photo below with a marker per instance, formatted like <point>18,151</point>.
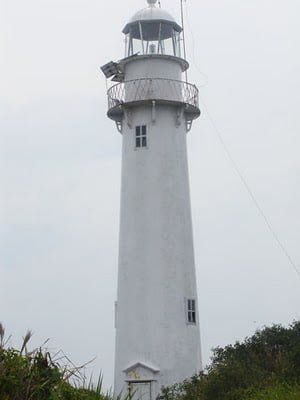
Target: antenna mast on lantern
<point>183,35</point>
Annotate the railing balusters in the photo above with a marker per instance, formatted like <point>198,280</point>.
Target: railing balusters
<point>153,88</point>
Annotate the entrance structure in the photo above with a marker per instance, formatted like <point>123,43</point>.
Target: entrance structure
<point>157,325</point>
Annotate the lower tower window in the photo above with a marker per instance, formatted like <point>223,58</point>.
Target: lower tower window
<point>141,136</point>
<point>191,311</point>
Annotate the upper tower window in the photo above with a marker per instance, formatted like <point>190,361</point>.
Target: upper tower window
<point>153,31</point>
<point>141,136</point>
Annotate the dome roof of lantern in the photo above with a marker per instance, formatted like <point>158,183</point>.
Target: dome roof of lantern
<point>152,14</point>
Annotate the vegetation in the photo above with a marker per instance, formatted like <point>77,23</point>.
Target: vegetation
<point>35,375</point>
<point>265,366</point>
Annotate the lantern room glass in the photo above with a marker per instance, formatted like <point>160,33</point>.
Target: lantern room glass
<point>149,38</point>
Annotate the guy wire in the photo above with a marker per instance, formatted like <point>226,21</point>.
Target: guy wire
<point>236,167</point>
<point>251,194</point>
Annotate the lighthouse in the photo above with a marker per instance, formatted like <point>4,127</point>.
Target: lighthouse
<point>156,312</point>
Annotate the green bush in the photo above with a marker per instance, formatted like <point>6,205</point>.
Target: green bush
<point>35,375</point>
<point>279,392</point>
<point>266,362</point>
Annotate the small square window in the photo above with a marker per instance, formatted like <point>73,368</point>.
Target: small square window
<point>191,311</point>
<point>141,136</point>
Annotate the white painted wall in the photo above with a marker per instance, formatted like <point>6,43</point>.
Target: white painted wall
<point>155,66</point>
<point>156,257</point>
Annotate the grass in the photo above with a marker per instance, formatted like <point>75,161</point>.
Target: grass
<point>38,375</point>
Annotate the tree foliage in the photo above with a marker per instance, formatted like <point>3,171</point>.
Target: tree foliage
<point>268,361</point>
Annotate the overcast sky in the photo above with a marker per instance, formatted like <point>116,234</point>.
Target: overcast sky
<point>60,160</point>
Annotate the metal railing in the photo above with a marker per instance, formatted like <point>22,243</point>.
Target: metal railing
<point>153,89</point>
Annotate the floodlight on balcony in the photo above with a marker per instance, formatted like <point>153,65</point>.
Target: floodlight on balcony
<point>110,69</point>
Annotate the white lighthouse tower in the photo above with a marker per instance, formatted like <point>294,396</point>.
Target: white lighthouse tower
<point>157,325</point>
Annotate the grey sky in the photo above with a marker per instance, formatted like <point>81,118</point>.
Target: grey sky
<point>60,169</point>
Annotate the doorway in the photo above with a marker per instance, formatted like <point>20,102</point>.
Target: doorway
<point>140,390</point>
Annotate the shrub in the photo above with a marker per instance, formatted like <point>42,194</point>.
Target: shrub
<point>269,359</point>
<point>35,375</point>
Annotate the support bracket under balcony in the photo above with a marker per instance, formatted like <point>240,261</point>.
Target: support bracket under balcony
<point>189,124</point>
<point>153,112</point>
<point>119,125</point>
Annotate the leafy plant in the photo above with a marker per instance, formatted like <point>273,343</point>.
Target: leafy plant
<point>35,375</point>
<point>266,364</point>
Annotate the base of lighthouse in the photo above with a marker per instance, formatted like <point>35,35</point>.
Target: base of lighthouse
<point>158,339</point>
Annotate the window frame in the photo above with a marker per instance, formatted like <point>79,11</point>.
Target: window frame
<point>141,137</point>
<point>191,311</point>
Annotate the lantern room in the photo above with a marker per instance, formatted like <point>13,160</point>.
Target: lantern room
<point>153,31</point>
